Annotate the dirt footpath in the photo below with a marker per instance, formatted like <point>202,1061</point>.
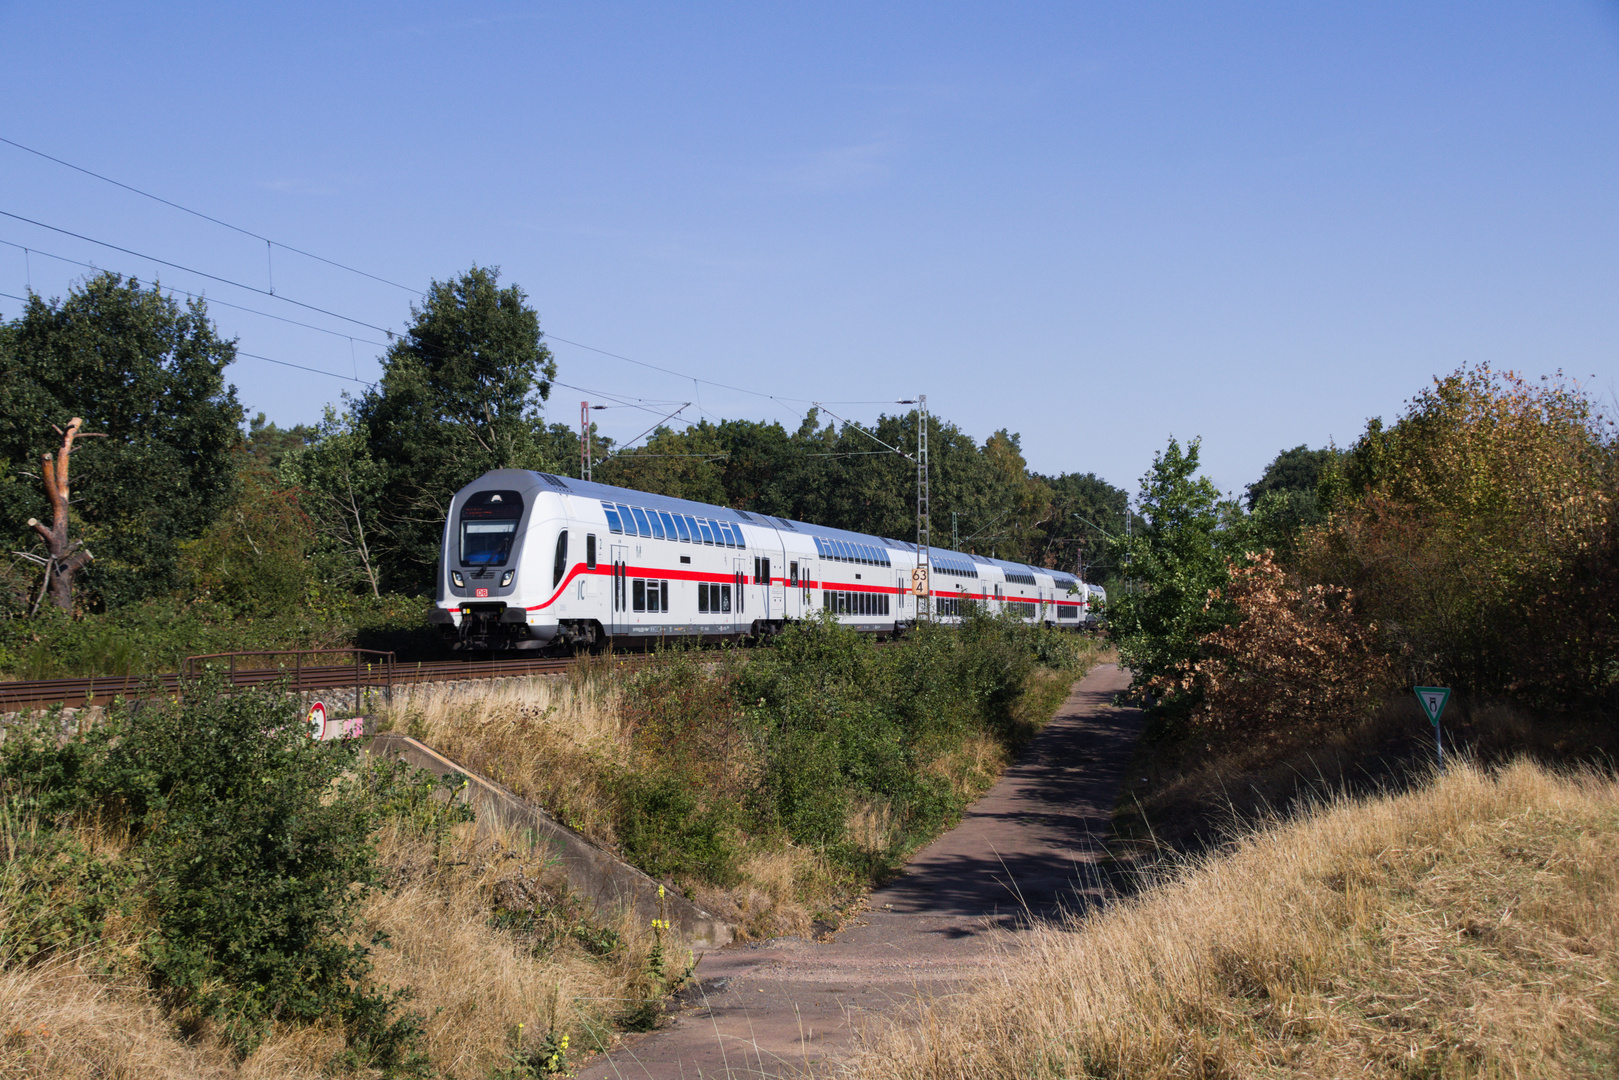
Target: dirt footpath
<point>1030,845</point>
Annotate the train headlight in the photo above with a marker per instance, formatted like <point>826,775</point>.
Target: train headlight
<point>506,578</point>
<point>460,582</point>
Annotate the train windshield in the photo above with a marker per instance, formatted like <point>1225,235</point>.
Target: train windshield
<point>489,527</point>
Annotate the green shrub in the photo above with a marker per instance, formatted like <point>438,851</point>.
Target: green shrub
<point>157,635</point>
<point>728,754</point>
<point>253,846</point>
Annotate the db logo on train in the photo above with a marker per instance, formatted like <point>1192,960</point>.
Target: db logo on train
<point>316,720</point>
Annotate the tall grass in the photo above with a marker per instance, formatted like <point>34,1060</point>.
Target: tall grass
<point>1469,928</point>
<point>772,785</point>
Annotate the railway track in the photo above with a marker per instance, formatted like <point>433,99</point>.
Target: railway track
<point>369,671</point>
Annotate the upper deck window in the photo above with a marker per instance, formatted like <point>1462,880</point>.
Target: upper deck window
<point>489,527</point>
<point>613,524</point>
<point>629,520</point>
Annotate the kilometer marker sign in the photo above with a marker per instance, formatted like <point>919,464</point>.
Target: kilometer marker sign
<point>1433,700</point>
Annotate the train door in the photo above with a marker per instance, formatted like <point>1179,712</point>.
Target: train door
<point>742,613</point>
<point>769,606</point>
<point>619,587</point>
<point>807,584</point>
<point>793,591</point>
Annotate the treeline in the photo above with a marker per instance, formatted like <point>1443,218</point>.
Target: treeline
<point>171,498</point>
<point>1473,543</point>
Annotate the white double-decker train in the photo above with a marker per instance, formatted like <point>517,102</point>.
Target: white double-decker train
<point>536,561</point>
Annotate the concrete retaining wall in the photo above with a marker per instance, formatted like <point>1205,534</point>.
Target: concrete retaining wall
<point>609,884</point>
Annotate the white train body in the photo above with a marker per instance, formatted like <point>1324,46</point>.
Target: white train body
<point>531,560</point>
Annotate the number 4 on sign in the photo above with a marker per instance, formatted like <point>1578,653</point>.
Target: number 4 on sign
<point>1433,700</point>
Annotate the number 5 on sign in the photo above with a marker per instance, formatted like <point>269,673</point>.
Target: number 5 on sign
<point>1433,700</point>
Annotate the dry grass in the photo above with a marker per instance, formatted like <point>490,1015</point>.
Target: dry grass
<point>1469,928</point>
<point>475,984</point>
<point>74,1016</point>
<point>558,742</point>
<point>554,741</point>
<point>1190,788</point>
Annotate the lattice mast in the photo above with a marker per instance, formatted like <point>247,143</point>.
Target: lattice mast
<point>924,540</point>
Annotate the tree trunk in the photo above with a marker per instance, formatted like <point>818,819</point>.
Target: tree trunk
<point>66,557</point>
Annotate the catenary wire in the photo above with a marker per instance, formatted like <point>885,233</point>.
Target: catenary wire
<point>252,356</point>
<point>341,266</point>
<point>207,217</point>
<point>209,299</point>
<point>199,273</point>
<point>385,330</point>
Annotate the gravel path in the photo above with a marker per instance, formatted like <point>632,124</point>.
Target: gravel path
<point>778,1008</point>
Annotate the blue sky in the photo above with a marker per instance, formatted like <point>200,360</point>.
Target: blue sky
<point>1095,225</point>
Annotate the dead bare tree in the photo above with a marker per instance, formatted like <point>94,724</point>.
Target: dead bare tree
<point>67,557</point>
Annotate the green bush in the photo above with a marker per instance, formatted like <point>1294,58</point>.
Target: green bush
<point>729,752</point>
<point>252,847</point>
<point>157,635</point>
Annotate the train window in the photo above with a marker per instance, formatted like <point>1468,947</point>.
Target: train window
<point>560,566</point>
<point>638,595</point>
<point>629,521</point>
<point>732,534</point>
<point>792,573</point>
<point>682,529</point>
<point>613,524</point>
<point>489,527</point>
<point>702,596</point>
<point>590,551</point>
<point>708,534</point>
<point>641,522</point>
<point>722,533</point>
<point>725,598</point>
<point>668,525</point>
<point>657,524</point>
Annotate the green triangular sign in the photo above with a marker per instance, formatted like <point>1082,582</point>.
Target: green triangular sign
<point>1433,699</point>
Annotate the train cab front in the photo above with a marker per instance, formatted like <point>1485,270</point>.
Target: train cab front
<point>481,589</point>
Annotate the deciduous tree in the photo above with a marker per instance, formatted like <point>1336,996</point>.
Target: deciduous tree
<point>148,373</point>
<point>459,396</point>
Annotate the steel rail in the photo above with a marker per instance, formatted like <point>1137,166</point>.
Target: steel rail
<point>104,689</point>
